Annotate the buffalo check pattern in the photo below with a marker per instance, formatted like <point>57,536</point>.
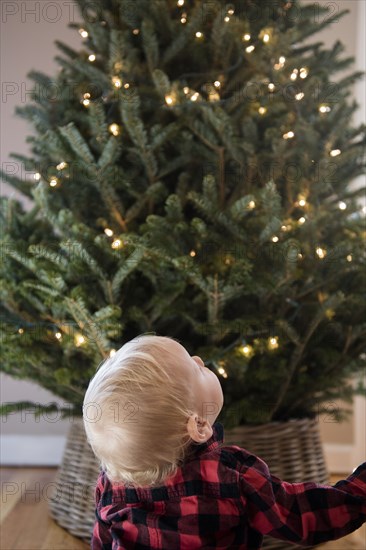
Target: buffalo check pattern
<point>225,497</point>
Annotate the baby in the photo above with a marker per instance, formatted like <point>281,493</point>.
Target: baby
<point>167,480</point>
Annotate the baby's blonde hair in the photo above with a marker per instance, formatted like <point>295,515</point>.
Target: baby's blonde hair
<point>135,414</point>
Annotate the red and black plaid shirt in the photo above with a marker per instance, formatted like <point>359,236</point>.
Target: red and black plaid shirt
<point>225,497</point>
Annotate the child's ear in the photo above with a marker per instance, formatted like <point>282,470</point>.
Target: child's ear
<point>199,430</point>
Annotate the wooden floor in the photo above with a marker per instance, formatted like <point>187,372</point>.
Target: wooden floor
<point>25,523</point>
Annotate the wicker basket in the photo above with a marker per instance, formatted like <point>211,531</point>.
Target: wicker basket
<point>292,450</point>
<point>72,501</point>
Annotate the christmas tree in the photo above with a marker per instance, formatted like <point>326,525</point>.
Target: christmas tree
<point>193,177</point>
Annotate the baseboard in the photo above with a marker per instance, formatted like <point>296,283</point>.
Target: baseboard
<point>339,458</point>
<point>31,450</point>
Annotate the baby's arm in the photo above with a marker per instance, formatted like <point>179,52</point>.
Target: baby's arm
<point>101,537</point>
<point>303,513</point>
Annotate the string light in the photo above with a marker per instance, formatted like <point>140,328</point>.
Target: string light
<point>342,205</point>
<point>83,33</point>
<point>136,31</point>
<point>114,129</point>
<point>302,202</point>
<point>199,34</point>
<point>58,335</point>
<point>192,253</point>
<point>180,3</point>
<point>289,135</point>
<point>247,350</point>
<point>53,182</point>
<point>294,74</point>
<point>126,86</point>
<point>271,87</point>
<point>117,243</point>
<point>183,19</point>
<point>273,342</point>
<point>302,220</point>
<point>195,96</point>
<point>108,232</point>
<point>223,372</point>
<point>266,37</point>
<point>262,110</point>
<point>169,100</point>
<point>117,81</point>
<point>275,239</point>
<point>251,204</point>
<point>349,258</point>
<point>213,96</point>
<point>37,176</point>
<point>91,57</point>
<point>61,166</point>
<point>217,83</point>
<point>112,352</point>
<point>299,256</point>
<point>304,72</point>
<point>79,340</point>
<point>250,49</point>
<point>324,109</point>
<point>230,10</point>
<point>335,153</point>
<point>299,96</point>
<point>321,252</point>
<point>226,19</point>
<point>246,37</point>
<point>21,330</point>
<point>186,90</point>
<point>282,59</point>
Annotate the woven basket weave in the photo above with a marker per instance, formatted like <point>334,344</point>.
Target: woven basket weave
<point>292,450</point>
<point>72,501</point>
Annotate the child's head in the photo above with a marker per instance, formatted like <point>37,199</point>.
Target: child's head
<point>144,407</point>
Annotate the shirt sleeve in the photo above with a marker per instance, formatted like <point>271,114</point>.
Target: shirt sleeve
<point>302,513</point>
<point>101,537</point>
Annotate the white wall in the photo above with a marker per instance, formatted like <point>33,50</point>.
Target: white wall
<point>27,43</point>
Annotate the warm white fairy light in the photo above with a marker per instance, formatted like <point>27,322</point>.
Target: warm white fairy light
<point>83,33</point>
<point>288,135</point>
<point>324,109</point>
<point>266,37</point>
<point>21,330</point>
<point>271,87</point>
<point>226,19</point>
<point>92,57</point>
<point>114,129</point>
<point>262,110</point>
<point>321,252</point>
<point>186,90</point>
<point>183,19</point>
<point>61,165</point>
<point>302,202</point>
<point>58,335</point>
<point>37,176</point>
<point>117,81</point>
<point>251,204</point>
<point>342,205</point>
<point>86,102</point>
<point>192,253</point>
<point>223,372</point>
<point>126,86</point>
<point>79,340</point>
<point>294,74</point>
<point>275,239</point>
<point>335,152</point>
<point>246,37</point>
<point>247,350</point>
<point>250,49</point>
<point>213,96</point>
<point>117,243</point>
<point>282,59</point>
<point>301,220</point>
<point>112,352</point>
<point>136,31</point>
<point>299,96</point>
<point>195,96</point>
<point>199,34</point>
<point>180,3</point>
<point>217,83</point>
<point>299,256</point>
<point>53,182</point>
<point>304,72</point>
<point>108,232</point>
<point>273,342</point>
<point>169,100</point>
